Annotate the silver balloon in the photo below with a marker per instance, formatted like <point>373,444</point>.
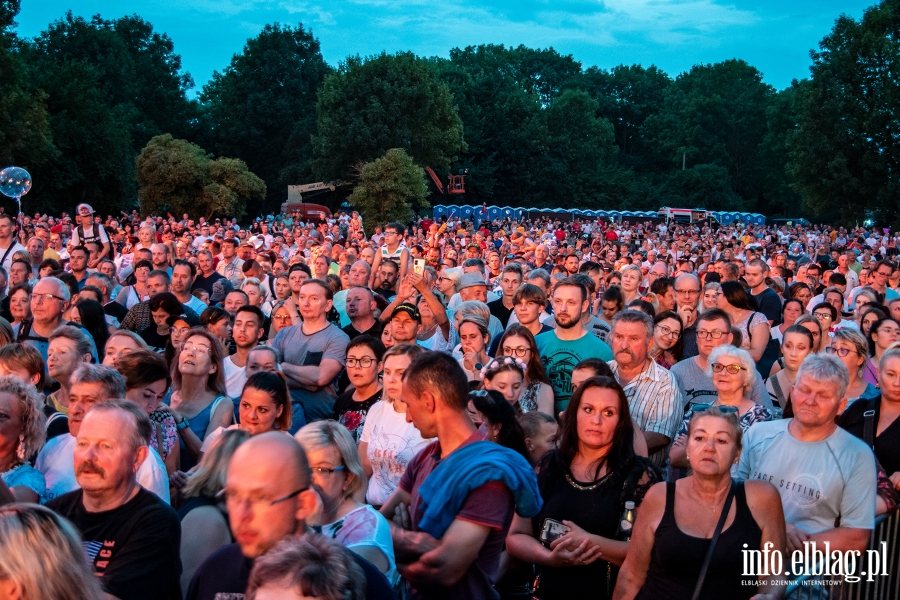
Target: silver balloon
<point>14,182</point>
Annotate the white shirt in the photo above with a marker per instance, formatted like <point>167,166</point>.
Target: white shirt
<point>235,378</point>
<point>195,304</point>
<point>56,462</point>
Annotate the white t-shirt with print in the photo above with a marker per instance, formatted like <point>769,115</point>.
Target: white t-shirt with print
<point>821,482</point>
<point>392,444</point>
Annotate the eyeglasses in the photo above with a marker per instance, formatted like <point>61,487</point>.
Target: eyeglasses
<point>733,369</point>
<point>822,316</point>
<point>257,502</point>
<point>39,298</point>
<point>687,292</point>
<point>842,352</point>
<point>705,335</point>
<point>326,470</point>
<point>517,352</point>
<point>196,349</point>
<point>179,329</point>
<point>364,362</point>
<point>281,317</point>
<point>670,333</point>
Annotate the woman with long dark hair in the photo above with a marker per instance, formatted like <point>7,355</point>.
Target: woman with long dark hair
<point>93,319</point>
<point>585,484</point>
<point>753,325</point>
<point>498,417</point>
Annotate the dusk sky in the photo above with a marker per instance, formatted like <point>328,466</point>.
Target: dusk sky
<point>773,35</point>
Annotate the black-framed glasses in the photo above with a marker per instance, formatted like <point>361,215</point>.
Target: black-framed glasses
<point>256,501</point>
<point>842,352</point>
<point>669,333</point>
<point>364,362</point>
<point>733,369</point>
<point>705,335</point>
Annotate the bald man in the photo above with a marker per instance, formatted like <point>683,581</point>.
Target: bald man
<point>269,495</point>
<point>360,273</point>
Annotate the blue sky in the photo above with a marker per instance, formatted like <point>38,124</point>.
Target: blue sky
<point>773,35</point>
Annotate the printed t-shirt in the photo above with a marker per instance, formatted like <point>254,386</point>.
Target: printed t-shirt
<point>134,548</point>
<point>821,482</point>
<point>560,357</point>
<point>392,444</point>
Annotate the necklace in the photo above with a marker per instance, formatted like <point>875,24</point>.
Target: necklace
<point>585,488</point>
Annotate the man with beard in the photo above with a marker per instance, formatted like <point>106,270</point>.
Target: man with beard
<point>570,343</point>
<point>654,399</point>
<point>132,538</point>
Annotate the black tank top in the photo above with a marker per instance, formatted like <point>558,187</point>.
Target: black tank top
<point>677,557</point>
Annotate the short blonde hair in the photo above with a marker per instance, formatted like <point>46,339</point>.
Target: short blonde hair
<point>331,434</point>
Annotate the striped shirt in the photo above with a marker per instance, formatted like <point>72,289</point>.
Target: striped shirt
<point>655,403</point>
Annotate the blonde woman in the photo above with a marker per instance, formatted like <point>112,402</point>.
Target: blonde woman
<point>202,510</point>
<point>631,283</point>
<point>41,557</point>
<point>338,477</point>
<point>22,433</point>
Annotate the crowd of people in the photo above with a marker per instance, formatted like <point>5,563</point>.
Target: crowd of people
<point>453,409</point>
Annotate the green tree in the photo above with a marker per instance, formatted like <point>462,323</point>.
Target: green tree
<point>627,96</point>
<point>178,176</point>
<point>845,154</point>
<point>25,136</point>
<point>702,185</point>
<point>779,196</point>
<point>109,86</point>
<point>262,107</point>
<point>369,106</point>
<point>715,114</point>
<point>579,168</point>
<point>505,136</point>
<point>391,188</point>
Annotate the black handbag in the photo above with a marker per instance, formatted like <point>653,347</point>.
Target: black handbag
<point>771,354</point>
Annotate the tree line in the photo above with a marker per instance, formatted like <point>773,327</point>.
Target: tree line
<point>99,111</point>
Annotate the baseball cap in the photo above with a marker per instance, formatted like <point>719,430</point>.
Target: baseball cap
<point>84,210</point>
<point>191,320</point>
<point>409,309</point>
<point>220,289</point>
<point>471,280</point>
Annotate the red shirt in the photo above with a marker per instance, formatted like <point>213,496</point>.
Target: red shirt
<point>490,505</point>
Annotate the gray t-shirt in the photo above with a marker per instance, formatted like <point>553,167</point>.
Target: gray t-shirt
<point>821,483</point>
<point>308,350</point>
<point>697,387</point>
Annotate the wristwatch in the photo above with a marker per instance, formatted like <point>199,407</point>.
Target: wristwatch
<point>183,425</point>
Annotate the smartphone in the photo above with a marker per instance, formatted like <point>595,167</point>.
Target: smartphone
<point>418,266</point>
<point>553,530</point>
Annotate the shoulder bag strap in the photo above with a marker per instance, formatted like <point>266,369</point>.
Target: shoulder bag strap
<point>712,542</point>
<point>8,250</point>
<point>779,393</point>
<point>869,422</point>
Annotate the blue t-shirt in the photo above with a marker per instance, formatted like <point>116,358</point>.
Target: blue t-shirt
<point>560,357</point>
<point>821,482</point>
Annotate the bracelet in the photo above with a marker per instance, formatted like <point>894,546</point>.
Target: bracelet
<point>183,425</point>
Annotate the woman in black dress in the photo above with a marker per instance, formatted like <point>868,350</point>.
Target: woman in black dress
<point>585,485</point>
<point>886,426</point>
<point>678,518</point>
